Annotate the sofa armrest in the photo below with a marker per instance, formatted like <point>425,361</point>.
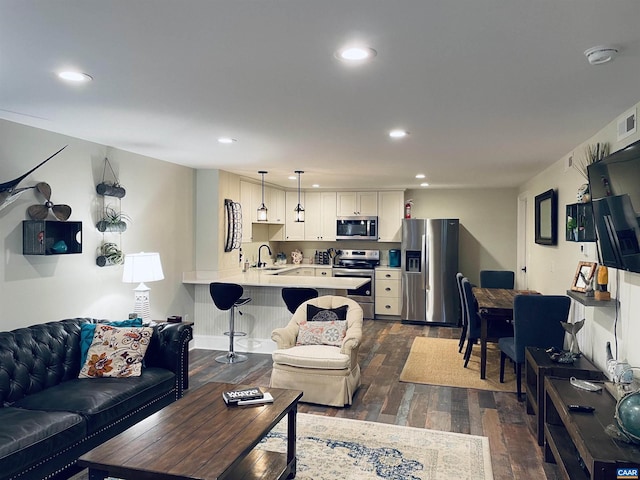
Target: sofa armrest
<point>169,349</point>
<point>285,337</point>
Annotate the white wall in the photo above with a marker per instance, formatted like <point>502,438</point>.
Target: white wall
<point>551,269</point>
<point>160,200</point>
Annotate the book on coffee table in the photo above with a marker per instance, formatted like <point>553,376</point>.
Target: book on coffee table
<point>267,398</point>
<point>243,395</point>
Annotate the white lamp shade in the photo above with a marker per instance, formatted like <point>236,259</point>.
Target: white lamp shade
<point>142,267</point>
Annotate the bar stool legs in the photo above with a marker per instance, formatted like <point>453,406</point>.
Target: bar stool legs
<point>226,296</point>
<point>231,356</point>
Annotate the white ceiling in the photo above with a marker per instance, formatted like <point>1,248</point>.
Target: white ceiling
<point>491,91</point>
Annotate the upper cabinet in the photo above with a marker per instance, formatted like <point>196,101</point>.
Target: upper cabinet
<point>357,203</point>
<point>294,230</point>
<point>320,216</point>
<point>274,199</point>
<point>390,214</point>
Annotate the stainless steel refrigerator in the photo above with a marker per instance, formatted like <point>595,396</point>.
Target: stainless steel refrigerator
<point>429,265</point>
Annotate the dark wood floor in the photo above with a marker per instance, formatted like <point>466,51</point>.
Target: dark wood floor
<point>383,398</point>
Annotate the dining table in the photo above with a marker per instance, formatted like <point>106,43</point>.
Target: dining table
<point>494,304</point>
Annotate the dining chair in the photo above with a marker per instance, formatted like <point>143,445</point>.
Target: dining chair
<point>536,323</point>
<point>463,312</point>
<point>497,279</point>
<point>496,329</point>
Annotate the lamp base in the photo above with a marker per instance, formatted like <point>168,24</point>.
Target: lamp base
<point>141,306</point>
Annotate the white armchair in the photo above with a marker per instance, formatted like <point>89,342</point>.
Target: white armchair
<point>327,374</point>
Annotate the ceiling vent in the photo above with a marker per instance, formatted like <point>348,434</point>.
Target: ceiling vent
<point>601,54</point>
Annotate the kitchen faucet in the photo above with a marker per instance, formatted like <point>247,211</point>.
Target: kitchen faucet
<point>263,264</point>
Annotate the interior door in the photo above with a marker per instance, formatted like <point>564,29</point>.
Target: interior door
<point>523,234</point>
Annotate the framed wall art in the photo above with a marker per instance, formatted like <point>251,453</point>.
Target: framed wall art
<point>584,276</point>
<point>546,218</point>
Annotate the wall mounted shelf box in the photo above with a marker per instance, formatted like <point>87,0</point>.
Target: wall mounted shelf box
<point>582,215</point>
<point>47,237</point>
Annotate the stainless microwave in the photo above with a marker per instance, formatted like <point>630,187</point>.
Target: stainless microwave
<point>357,228</point>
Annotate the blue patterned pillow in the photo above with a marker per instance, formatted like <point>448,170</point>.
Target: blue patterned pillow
<point>88,330</point>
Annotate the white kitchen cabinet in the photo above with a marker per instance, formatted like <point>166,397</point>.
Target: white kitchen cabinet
<point>294,230</point>
<point>320,215</point>
<point>299,272</point>
<point>276,205</point>
<point>357,203</point>
<point>323,271</point>
<point>388,291</point>
<point>390,214</point>
<point>250,197</point>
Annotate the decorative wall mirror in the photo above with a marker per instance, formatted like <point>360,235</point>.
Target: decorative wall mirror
<point>546,206</point>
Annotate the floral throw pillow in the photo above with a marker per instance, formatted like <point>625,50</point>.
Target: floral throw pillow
<point>322,333</point>
<point>116,352</point>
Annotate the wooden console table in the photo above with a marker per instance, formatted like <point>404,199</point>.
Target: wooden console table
<point>539,365</point>
<point>577,441</point>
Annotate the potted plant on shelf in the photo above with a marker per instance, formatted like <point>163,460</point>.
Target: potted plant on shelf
<point>110,254</point>
<point>112,221</point>
<point>572,227</point>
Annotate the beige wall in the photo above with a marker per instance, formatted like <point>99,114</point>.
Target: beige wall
<point>551,269</point>
<point>487,224</point>
<point>160,201</point>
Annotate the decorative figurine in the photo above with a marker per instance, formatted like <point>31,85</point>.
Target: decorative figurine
<point>573,329</point>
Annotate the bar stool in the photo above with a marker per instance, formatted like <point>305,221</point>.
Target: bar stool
<point>226,296</point>
<point>295,296</point>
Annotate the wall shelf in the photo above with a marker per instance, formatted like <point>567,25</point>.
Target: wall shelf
<point>47,237</point>
<point>590,301</point>
<point>584,231</point>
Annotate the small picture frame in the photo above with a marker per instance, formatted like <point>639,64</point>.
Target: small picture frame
<point>584,276</point>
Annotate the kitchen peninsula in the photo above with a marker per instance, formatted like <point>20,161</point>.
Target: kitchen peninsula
<point>266,310</point>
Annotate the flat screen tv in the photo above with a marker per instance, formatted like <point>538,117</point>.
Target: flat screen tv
<point>614,183</point>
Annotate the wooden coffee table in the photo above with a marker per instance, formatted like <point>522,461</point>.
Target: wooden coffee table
<point>200,437</point>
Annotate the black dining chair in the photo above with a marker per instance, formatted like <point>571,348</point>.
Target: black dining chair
<point>496,329</point>
<point>536,323</point>
<point>295,296</point>
<point>463,312</point>
<point>497,279</point>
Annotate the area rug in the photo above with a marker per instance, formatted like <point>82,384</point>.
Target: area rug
<point>436,361</point>
<point>330,448</point>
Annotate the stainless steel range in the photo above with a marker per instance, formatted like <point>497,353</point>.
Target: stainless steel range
<point>359,263</point>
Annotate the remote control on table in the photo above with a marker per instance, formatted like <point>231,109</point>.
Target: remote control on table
<point>580,408</point>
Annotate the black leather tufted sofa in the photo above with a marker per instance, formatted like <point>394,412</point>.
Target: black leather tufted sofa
<point>49,417</point>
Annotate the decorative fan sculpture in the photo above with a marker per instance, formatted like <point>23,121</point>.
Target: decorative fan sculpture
<point>8,191</point>
<point>40,212</point>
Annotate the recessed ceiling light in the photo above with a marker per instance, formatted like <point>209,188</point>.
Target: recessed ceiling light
<point>226,140</point>
<point>292,177</point>
<point>315,185</point>
<point>355,54</point>
<point>398,133</point>
<point>424,184</point>
<point>600,54</point>
<point>420,175</point>
<point>77,77</point>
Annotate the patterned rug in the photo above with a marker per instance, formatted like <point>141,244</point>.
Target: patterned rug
<point>330,448</point>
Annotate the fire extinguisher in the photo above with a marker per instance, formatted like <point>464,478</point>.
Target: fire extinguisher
<point>407,208</point>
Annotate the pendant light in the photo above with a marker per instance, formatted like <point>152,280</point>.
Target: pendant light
<point>299,210</point>
<point>262,209</point>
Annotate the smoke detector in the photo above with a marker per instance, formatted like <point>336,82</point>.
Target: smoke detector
<point>600,54</point>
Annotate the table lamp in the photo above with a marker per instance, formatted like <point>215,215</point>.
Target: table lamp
<point>139,268</point>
